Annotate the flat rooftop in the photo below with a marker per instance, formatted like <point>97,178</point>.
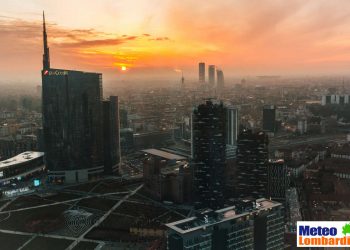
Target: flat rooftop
<point>214,217</point>
<point>21,158</point>
<point>163,154</point>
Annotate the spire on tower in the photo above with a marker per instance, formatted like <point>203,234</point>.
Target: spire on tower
<point>46,55</point>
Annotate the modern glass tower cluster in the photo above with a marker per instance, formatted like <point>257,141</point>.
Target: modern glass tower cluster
<point>215,77</point>
<point>252,222</point>
<point>73,123</point>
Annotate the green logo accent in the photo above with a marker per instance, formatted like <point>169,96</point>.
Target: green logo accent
<point>346,229</point>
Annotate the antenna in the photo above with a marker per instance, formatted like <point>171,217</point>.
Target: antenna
<point>46,55</point>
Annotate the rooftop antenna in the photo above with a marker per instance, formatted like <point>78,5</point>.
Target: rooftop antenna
<point>46,55</point>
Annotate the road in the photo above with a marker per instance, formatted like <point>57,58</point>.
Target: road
<point>99,221</point>
<point>61,202</point>
<point>285,143</point>
<point>75,240</point>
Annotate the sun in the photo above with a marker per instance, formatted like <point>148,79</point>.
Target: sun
<point>123,68</point>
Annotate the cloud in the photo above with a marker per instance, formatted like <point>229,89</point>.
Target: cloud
<point>21,44</point>
<point>260,35</point>
<point>164,38</point>
<point>81,43</point>
<point>237,35</point>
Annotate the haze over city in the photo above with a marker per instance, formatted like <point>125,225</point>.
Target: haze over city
<point>156,39</point>
<point>174,125</point>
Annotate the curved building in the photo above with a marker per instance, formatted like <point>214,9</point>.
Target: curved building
<point>20,166</point>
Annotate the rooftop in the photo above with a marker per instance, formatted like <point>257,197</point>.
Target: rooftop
<point>21,158</point>
<point>163,154</point>
<point>210,217</point>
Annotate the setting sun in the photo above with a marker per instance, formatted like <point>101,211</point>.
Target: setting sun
<point>123,68</point>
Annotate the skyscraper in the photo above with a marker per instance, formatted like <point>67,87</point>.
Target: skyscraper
<point>111,139</point>
<point>123,114</point>
<point>211,75</point>
<point>277,180</point>
<point>72,122</point>
<point>232,125</point>
<point>269,118</point>
<point>220,80</point>
<point>252,160</point>
<point>201,68</point>
<point>208,152</point>
<point>232,132</point>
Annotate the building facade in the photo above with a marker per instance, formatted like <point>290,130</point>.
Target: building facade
<point>211,75</point>
<point>252,161</point>
<point>201,70</point>
<point>167,176</point>
<point>72,118</point>
<point>277,180</point>
<point>232,132</point>
<point>72,124</point>
<point>247,225</point>
<point>220,80</point>
<point>208,153</point>
<point>335,99</point>
<point>269,118</point>
<point>111,132</point>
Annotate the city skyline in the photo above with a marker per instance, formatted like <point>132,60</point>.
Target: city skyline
<point>162,124</point>
<point>242,38</point>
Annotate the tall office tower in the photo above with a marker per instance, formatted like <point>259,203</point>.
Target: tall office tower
<point>201,68</point>
<point>277,180</point>
<point>220,80</point>
<point>111,135</point>
<point>269,118</point>
<point>246,225</point>
<point>232,132</point>
<point>211,75</point>
<point>208,153</point>
<point>126,140</point>
<point>182,81</point>
<point>72,122</point>
<point>252,160</point>
<point>123,114</point>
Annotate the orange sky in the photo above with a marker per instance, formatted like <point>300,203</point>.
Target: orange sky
<point>155,37</point>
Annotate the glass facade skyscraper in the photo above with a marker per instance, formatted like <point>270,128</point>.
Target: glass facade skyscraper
<point>72,123</point>
<point>76,147</point>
